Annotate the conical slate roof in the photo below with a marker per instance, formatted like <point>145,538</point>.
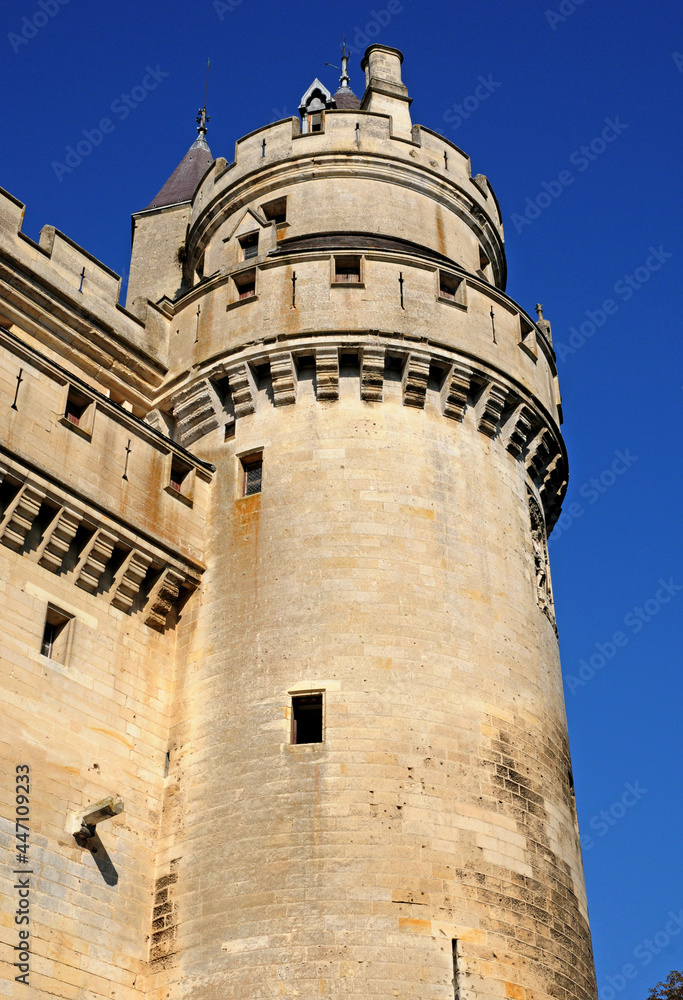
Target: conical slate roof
<point>346,100</point>
<point>182,183</point>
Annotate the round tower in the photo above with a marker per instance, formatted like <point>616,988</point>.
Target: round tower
<point>370,789</point>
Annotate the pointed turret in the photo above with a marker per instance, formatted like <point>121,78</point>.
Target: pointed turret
<point>182,183</point>
<point>156,266</point>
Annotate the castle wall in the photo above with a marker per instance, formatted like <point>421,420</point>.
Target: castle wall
<point>387,562</point>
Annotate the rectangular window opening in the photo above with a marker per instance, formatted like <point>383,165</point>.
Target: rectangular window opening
<point>307,718</point>
<point>252,468</point>
<point>276,211</point>
<point>77,404</point>
<point>449,286</point>
<point>347,269</point>
<point>179,473</point>
<point>249,246</point>
<point>55,634</point>
<point>315,122</point>
<point>246,284</point>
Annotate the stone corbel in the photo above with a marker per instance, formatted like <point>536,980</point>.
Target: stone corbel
<point>283,375</point>
<point>372,374</point>
<point>23,512</point>
<point>129,580</point>
<point>415,379</point>
<point>455,392</point>
<point>243,389</point>
<point>97,556</point>
<point>489,408</point>
<point>327,373</point>
<point>58,538</point>
<point>195,412</point>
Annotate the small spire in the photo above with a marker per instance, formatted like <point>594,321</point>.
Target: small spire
<point>202,117</point>
<point>539,310</point>
<point>344,79</point>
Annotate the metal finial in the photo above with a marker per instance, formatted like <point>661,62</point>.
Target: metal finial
<point>344,80</point>
<point>202,117</point>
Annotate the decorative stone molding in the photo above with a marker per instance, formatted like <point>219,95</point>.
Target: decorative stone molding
<point>455,392</point>
<point>125,592</point>
<point>283,375</point>
<point>59,537</point>
<point>98,554</point>
<point>129,580</point>
<point>162,599</point>
<point>489,408</point>
<point>243,390</point>
<point>544,593</point>
<point>195,412</point>
<point>415,379</point>
<point>327,373</point>
<point>18,521</point>
<point>372,374</point>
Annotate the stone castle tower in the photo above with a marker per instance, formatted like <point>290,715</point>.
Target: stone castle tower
<point>279,648</point>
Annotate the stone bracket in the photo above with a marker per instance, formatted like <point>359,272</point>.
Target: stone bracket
<point>58,539</point>
<point>98,554</point>
<point>161,600</point>
<point>455,392</point>
<point>415,379</point>
<point>283,376</point>
<point>372,374</point>
<point>195,412</point>
<point>129,579</point>
<point>327,373</point>
<point>243,389</point>
<point>23,511</point>
<point>489,408</point>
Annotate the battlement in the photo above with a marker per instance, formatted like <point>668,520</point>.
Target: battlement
<point>350,143</point>
<point>80,319</point>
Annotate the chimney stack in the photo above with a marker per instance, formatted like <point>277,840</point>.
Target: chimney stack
<point>385,92</point>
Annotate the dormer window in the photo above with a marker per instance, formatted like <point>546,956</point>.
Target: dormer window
<point>313,106</point>
<point>249,245</point>
<point>276,211</point>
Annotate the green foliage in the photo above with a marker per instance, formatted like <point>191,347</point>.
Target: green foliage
<point>670,989</point>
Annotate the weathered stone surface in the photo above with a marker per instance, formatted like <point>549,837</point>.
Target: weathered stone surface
<point>394,563</point>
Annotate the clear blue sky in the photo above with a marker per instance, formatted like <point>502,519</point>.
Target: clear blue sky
<point>554,80</point>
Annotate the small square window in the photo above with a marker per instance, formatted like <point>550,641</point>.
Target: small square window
<point>245,283</point>
<point>307,718</point>
<point>252,469</point>
<point>179,473</point>
<point>451,288</point>
<point>315,122</point>
<point>79,410</point>
<point>55,634</point>
<point>249,246</point>
<point>347,270</point>
<point>276,211</point>
<point>181,480</point>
